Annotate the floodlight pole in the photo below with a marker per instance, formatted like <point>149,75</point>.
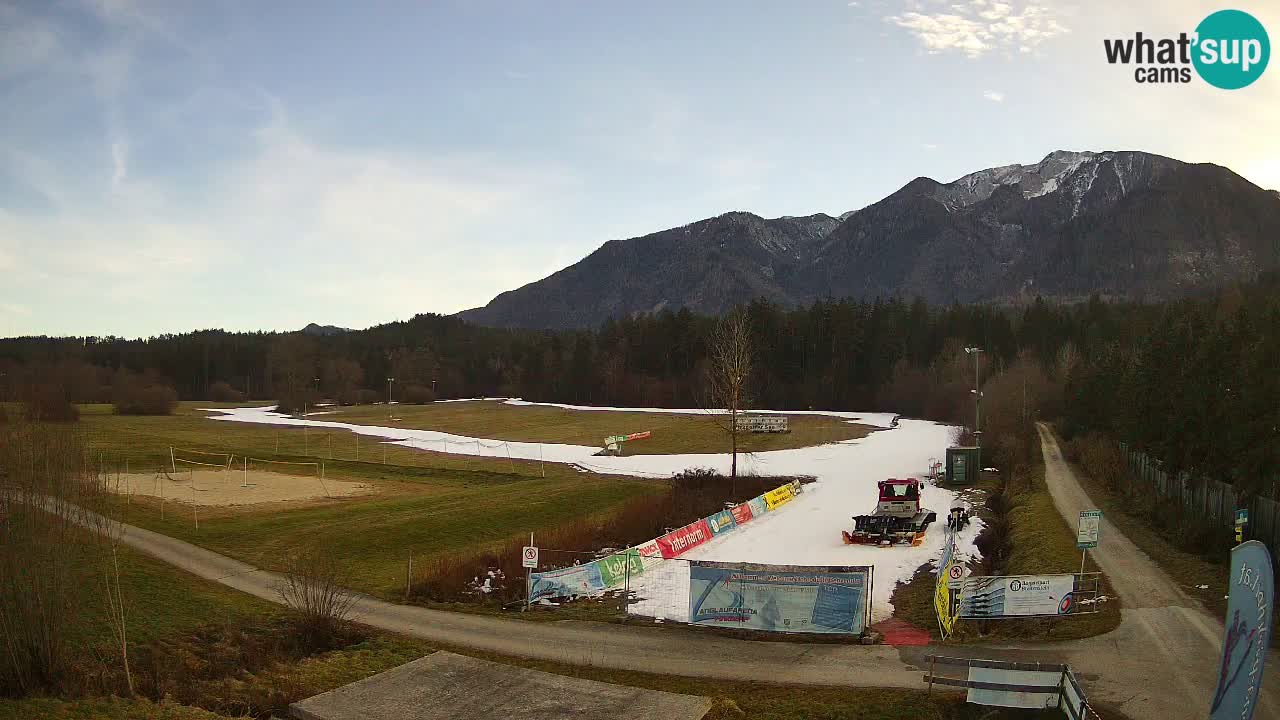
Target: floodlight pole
<point>389,381</point>
<point>977,396</point>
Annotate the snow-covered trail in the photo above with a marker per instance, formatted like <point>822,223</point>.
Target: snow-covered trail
<point>806,531</point>
<point>775,462</point>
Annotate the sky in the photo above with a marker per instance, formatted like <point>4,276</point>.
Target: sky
<point>175,165</point>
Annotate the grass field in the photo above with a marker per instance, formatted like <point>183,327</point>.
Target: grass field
<point>158,617</point>
<point>432,504</point>
<point>672,433</point>
<point>170,610</point>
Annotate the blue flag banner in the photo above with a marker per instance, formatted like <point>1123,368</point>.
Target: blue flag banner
<point>1248,633</point>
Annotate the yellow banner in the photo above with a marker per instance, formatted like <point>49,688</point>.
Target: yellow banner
<point>779,496</point>
<point>943,602</point>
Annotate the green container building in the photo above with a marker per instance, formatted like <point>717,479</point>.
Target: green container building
<point>964,465</point>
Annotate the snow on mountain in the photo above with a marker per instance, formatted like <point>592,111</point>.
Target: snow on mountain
<point>1035,180</point>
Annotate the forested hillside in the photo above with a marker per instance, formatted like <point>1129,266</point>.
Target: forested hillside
<point>1193,381</point>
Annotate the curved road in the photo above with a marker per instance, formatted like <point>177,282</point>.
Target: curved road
<point>1159,664</point>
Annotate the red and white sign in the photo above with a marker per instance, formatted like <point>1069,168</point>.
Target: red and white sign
<point>650,549</point>
<point>529,557</point>
<point>678,542</point>
<point>741,513</point>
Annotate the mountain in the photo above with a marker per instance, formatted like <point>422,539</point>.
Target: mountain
<point>323,330</point>
<point>707,266</point>
<point>1122,224</point>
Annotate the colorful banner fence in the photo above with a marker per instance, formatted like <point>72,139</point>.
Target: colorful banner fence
<point>575,581</point>
<point>611,572</point>
<point>779,598</point>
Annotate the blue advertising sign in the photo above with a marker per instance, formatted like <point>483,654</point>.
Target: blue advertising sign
<point>758,506</point>
<point>721,522</point>
<point>779,598</point>
<point>1248,633</point>
<point>567,582</point>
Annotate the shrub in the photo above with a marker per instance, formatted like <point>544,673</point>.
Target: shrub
<point>223,392</point>
<point>690,495</point>
<point>417,395</point>
<point>47,402</point>
<point>138,399</point>
<point>314,584</point>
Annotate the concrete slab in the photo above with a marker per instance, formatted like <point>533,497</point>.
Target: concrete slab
<point>444,686</point>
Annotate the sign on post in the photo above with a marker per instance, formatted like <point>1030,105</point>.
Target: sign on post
<point>1089,530</point>
<point>1242,519</point>
<point>529,557</point>
<point>1248,633</point>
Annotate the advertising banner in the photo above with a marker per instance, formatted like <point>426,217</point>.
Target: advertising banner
<point>1248,633</point>
<point>721,522</point>
<point>614,568</point>
<point>779,598</point>
<point>568,582</point>
<point>677,542</point>
<point>945,595</point>
<point>778,496</point>
<point>758,506</point>
<point>1018,596</point>
<point>742,513</point>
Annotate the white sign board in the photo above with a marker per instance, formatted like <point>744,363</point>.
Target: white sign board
<point>1089,530</point>
<point>1018,596</point>
<point>529,557</point>
<point>1015,698</point>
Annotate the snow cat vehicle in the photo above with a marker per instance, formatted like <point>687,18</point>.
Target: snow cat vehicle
<point>898,518</point>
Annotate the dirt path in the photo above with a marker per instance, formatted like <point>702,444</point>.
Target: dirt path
<point>1161,625</point>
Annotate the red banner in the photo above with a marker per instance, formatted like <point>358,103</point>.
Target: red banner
<point>677,542</point>
<point>741,513</point>
<point>650,549</point>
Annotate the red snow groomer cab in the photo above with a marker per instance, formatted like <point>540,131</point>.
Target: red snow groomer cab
<point>898,518</point>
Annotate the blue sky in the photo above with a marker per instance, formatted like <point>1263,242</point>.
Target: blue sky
<point>169,166</point>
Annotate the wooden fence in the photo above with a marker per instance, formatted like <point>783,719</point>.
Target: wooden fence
<point>1212,500</point>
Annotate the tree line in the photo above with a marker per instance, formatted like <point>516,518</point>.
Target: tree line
<point>1190,381</point>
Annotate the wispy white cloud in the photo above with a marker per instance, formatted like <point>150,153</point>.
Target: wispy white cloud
<point>977,27</point>
<point>993,96</point>
<point>119,162</point>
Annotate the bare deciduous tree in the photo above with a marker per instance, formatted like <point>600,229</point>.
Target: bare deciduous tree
<point>729,356</point>
<point>314,583</point>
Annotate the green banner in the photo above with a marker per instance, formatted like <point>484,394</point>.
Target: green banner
<point>613,569</point>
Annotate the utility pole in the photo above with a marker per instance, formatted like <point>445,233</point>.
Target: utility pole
<point>977,397</point>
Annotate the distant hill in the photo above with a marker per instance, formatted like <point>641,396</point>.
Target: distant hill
<point>323,330</point>
<point>1122,224</point>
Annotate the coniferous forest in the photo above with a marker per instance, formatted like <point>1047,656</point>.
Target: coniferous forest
<point>1192,382</point>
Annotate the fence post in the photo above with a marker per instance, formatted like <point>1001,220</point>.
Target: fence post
<point>408,577</point>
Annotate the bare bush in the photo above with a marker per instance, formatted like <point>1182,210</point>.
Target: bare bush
<point>46,484</point>
<point>223,392</point>
<point>417,395</point>
<point>146,394</point>
<point>48,402</point>
<point>314,583</point>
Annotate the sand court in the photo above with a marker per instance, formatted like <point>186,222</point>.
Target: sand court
<point>231,487</point>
